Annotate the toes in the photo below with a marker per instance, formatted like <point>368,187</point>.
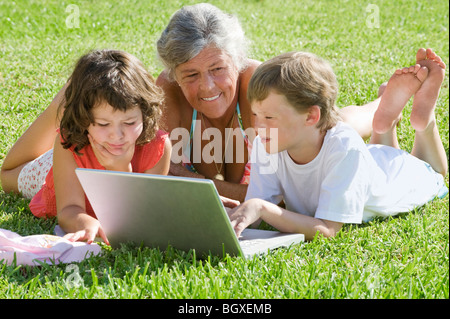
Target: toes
<point>421,54</point>
<point>437,59</point>
<point>430,54</point>
<point>405,70</point>
<point>422,74</point>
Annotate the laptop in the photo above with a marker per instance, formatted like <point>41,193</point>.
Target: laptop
<point>161,211</point>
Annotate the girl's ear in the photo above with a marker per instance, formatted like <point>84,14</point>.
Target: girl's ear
<point>313,115</point>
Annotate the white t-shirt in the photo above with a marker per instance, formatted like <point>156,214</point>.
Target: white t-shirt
<point>348,181</point>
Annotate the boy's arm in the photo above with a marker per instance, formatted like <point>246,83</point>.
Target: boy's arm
<point>280,218</point>
<point>342,196</point>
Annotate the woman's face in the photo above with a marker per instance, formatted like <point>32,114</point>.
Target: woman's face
<point>209,81</point>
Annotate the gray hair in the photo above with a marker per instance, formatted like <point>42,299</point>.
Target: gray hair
<point>192,28</point>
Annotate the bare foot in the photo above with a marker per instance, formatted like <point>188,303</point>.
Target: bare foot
<point>382,88</point>
<point>403,84</point>
<point>424,102</point>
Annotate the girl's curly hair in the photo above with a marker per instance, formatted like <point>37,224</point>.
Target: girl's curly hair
<point>111,76</point>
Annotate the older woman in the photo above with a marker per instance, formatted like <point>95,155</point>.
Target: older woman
<point>205,82</point>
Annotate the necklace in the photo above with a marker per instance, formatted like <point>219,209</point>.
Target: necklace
<point>219,175</point>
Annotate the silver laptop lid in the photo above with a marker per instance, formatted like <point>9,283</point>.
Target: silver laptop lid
<point>158,210</point>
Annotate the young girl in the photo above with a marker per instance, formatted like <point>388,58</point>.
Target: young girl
<point>109,112</point>
<point>320,166</point>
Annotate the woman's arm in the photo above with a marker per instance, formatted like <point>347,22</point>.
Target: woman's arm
<point>34,142</point>
<point>280,218</point>
<point>70,199</point>
<point>231,190</point>
<point>174,103</point>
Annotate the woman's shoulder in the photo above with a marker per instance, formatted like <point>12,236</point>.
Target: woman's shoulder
<point>244,79</point>
<point>163,78</point>
<point>171,88</point>
<point>247,73</point>
<point>176,108</point>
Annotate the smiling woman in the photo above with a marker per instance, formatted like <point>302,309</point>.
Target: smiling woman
<point>207,71</point>
<point>207,75</point>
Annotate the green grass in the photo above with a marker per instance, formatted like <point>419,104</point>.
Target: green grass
<point>402,257</point>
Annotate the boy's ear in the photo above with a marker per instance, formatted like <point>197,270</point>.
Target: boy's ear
<point>313,115</point>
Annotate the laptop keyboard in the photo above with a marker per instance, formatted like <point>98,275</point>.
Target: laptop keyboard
<point>251,243</point>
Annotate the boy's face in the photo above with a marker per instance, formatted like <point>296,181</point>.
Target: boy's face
<point>278,124</point>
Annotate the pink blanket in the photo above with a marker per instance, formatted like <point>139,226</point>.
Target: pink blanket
<point>50,249</point>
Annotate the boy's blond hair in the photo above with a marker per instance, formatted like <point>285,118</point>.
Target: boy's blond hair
<point>304,79</point>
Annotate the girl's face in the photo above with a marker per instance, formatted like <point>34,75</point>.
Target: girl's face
<point>208,81</point>
<point>115,130</point>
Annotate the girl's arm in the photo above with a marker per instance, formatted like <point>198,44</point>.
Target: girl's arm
<point>70,199</point>
<point>282,219</point>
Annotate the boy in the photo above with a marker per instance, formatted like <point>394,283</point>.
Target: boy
<point>320,167</point>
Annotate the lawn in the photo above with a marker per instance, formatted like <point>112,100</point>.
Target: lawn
<point>405,257</point>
